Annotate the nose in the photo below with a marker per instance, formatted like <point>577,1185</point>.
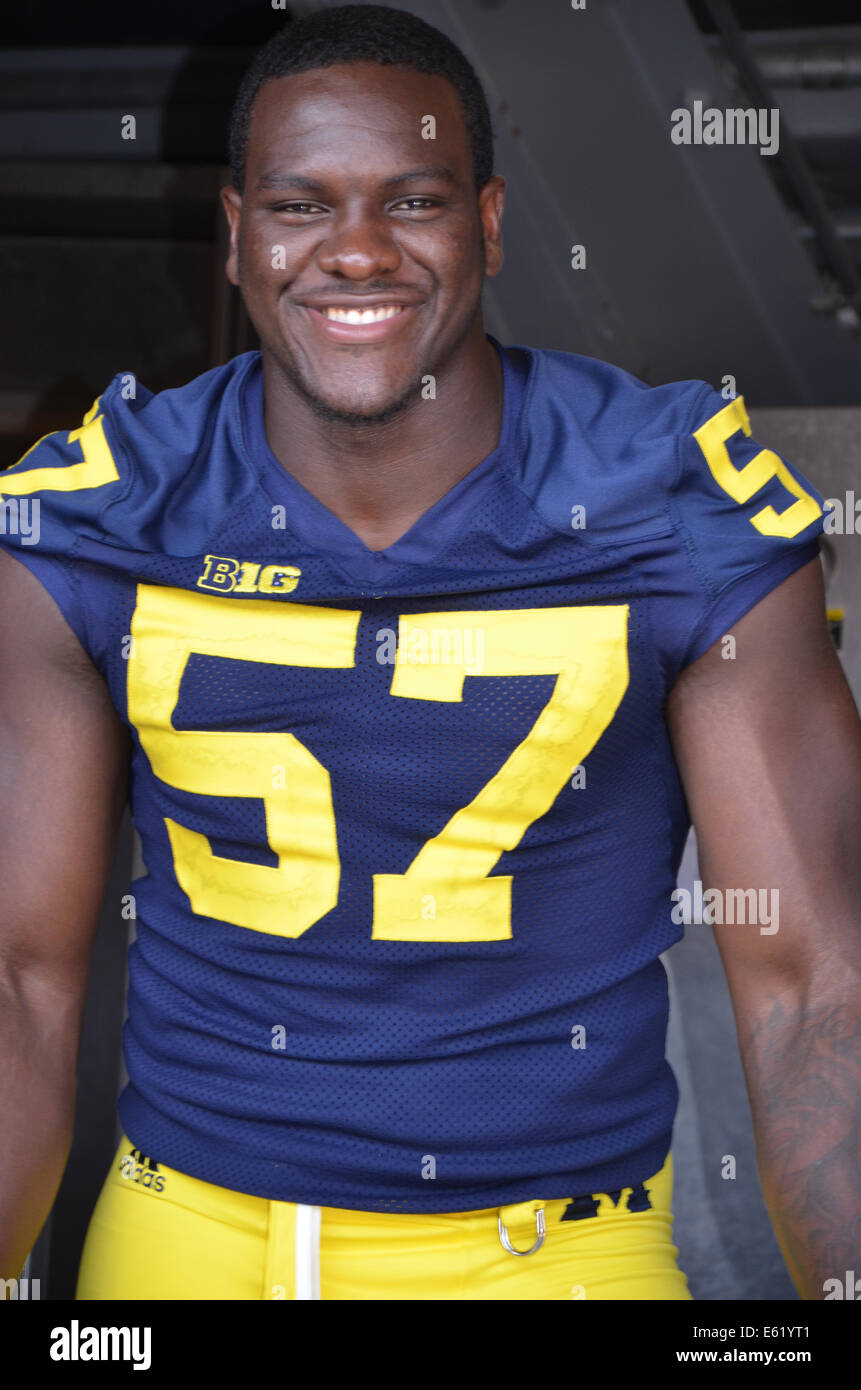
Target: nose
<point>360,246</point>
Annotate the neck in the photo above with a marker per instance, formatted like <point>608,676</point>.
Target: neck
<point>379,478</point>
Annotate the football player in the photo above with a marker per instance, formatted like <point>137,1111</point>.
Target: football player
<point>413,648</point>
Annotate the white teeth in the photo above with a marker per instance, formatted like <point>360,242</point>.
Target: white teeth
<point>381,311</point>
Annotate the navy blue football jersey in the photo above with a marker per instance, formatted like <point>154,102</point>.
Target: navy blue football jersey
<point>410,818</point>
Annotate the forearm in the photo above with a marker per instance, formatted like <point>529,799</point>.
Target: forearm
<point>38,1043</point>
<point>802,1061</point>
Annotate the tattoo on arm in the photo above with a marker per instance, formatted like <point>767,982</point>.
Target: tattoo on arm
<point>804,1075</point>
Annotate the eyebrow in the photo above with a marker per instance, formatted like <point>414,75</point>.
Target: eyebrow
<point>276,179</point>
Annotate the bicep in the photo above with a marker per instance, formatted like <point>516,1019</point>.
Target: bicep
<point>63,761</point>
<point>768,745</point>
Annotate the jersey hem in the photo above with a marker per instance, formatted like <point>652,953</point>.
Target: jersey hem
<point>739,597</point>
<point>170,1144</point>
<point>59,583</point>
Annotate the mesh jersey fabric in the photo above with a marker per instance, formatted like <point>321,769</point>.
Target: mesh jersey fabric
<point>410,819</point>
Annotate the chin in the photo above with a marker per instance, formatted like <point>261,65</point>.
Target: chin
<point>358,410</point>
<point>366,416</point>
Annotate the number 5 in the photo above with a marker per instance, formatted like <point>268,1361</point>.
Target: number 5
<point>742,483</point>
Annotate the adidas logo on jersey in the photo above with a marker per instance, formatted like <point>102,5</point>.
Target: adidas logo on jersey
<point>222,574</point>
<point>138,1167</point>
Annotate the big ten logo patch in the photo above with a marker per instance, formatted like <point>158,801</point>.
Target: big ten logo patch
<point>222,574</point>
<point>139,1168</point>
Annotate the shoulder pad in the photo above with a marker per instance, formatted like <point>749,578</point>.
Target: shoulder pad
<point>144,471</point>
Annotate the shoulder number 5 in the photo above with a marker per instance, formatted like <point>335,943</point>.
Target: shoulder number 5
<point>742,483</point>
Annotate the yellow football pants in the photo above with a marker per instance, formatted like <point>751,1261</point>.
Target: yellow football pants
<point>159,1234</point>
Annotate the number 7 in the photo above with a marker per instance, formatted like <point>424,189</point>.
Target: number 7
<point>446,894</point>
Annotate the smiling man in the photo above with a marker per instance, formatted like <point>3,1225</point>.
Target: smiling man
<point>360,248</point>
<point>414,643</point>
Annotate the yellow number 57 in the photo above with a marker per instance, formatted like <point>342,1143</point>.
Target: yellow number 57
<point>446,893</point>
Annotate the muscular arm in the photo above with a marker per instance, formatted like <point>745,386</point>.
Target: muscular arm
<point>769,748</point>
<point>63,759</point>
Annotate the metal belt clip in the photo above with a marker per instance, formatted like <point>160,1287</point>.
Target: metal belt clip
<point>540,1233</point>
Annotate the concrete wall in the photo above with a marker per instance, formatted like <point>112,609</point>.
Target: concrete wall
<point>825,443</point>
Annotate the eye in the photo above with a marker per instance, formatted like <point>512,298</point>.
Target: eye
<point>301,209</point>
<point>417,203</point>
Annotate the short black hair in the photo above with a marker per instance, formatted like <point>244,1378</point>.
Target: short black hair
<point>356,34</point>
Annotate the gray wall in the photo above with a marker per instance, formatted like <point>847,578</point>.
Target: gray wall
<point>825,444</point>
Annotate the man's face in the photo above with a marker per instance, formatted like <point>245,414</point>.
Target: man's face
<point>348,210</point>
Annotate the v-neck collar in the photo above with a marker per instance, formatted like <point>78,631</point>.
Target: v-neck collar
<point>311,521</point>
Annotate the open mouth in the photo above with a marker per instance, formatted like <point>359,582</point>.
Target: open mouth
<point>347,323</point>
<point>375,315</point>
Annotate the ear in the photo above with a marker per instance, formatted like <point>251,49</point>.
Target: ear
<point>491,202</point>
<point>231,201</point>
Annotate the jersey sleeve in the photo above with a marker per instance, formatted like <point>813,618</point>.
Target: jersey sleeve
<point>746,517</point>
<point>54,496</point>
